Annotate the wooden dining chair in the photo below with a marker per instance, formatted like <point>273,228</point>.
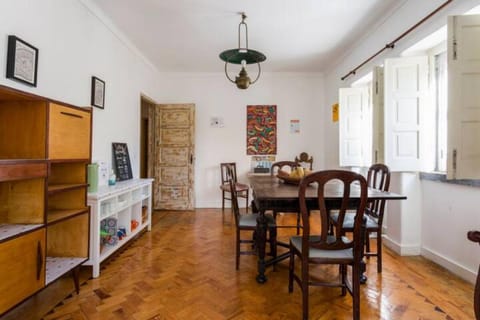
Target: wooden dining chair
<point>305,160</point>
<point>319,247</point>
<point>474,236</point>
<point>241,188</point>
<point>378,177</point>
<point>248,222</point>
<point>286,166</point>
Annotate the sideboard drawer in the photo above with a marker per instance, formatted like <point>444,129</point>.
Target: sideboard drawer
<point>68,133</point>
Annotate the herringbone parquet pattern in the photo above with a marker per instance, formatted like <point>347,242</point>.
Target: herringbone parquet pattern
<point>184,269</point>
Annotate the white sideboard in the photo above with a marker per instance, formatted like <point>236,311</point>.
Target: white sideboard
<point>125,206</point>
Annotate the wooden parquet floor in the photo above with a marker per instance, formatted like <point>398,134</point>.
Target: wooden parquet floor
<point>185,269</point>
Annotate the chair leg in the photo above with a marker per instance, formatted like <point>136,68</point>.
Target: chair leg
<point>305,290</point>
<point>237,251</point>
<point>343,275</point>
<point>273,245</point>
<point>246,208</point>
<point>291,267</point>
<point>356,291</point>
<point>379,252</point>
<point>298,223</point>
<point>367,243</point>
<point>223,200</point>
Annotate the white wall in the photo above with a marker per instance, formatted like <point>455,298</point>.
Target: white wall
<point>74,45</point>
<point>297,96</point>
<point>75,42</point>
<point>446,211</point>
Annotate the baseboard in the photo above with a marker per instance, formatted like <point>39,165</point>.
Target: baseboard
<point>401,250</point>
<point>459,270</point>
<point>216,204</point>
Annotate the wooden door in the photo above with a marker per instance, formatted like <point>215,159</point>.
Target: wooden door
<point>174,154</point>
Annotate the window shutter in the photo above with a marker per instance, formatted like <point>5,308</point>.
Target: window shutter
<point>406,107</point>
<point>378,115</point>
<point>463,158</point>
<point>354,126</point>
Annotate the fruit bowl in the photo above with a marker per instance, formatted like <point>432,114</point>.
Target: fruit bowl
<point>286,178</point>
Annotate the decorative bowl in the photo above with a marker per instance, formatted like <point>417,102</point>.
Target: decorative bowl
<point>285,177</point>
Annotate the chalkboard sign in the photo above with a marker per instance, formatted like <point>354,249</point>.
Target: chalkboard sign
<point>121,160</point>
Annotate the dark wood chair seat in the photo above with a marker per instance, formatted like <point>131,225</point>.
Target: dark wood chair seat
<point>349,221</point>
<point>239,187</point>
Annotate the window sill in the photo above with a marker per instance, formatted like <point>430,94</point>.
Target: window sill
<point>442,177</point>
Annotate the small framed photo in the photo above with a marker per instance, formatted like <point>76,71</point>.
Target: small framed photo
<point>22,61</point>
<point>98,93</point>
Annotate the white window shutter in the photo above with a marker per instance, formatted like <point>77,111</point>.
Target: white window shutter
<point>377,115</point>
<point>463,158</point>
<point>406,107</point>
<point>353,125</point>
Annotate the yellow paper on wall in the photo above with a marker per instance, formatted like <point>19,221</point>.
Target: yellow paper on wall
<point>335,112</point>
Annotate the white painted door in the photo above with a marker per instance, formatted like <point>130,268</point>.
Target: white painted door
<point>406,107</point>
<point>463,158</point>
<point>353,125</point>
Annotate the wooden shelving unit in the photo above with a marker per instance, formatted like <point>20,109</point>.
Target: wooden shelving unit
<point>44,219</point>
<point>127,201</point>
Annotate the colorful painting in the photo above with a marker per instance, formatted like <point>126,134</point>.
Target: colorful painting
<point>261,130</point>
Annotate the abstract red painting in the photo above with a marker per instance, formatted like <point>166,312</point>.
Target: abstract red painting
<point>261,129</point>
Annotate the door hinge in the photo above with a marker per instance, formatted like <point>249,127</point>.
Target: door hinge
<point>376,156</point>
<point>454,39</point>
<point>454,49</point>
<point>454,159</point>
<point>376,87</point>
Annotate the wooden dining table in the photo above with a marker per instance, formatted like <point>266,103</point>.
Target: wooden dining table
<point>271,193</point>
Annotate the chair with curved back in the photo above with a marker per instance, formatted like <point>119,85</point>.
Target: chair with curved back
<point>305,160</point>
<point>289,165</point>
<point>319,247</point>
<point>474,236</point>
<point>378,177</point>
<point>247,222</point>
<point>242,189</point>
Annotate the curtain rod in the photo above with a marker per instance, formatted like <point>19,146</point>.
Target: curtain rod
<point>391,44</point>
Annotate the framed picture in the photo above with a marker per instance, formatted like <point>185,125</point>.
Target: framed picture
<point>22,61</point>
<point>98,93</point>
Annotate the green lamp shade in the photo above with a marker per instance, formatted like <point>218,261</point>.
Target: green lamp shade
<point>236,56</point>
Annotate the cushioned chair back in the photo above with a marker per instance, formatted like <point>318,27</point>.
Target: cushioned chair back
<point>230,176</point>
<point>305,160</point>
<point>223,169</point>
<point>281,165</point>
<point>354,197</point>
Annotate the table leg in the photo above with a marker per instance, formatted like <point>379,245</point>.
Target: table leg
<point>261,243</point>
<point>363,265</point>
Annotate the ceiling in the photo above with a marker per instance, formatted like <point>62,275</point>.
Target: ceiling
<point>295,35</point>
